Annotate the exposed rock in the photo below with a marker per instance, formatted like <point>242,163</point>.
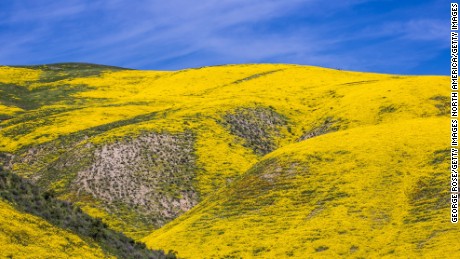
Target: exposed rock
<point>152,173</point>
<point>257,126</point>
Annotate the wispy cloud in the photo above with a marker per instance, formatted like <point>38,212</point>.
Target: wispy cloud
<point>177,34</point>
<point>46,11</point>
<point>420,29</point>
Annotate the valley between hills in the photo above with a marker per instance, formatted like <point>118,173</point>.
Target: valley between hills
<point>233,161</point>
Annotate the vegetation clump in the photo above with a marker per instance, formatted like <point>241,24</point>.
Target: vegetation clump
<point>28,198</point>
<point>329,125</point>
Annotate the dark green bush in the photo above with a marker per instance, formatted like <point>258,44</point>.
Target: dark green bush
<point>28,198</point>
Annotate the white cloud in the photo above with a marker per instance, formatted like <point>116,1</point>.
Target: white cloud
<point>173,33</point>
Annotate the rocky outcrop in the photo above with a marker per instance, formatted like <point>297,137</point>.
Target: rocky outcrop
<point>151,173</point>
<point>257,126</point>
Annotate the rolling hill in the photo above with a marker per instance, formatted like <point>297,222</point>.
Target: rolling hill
<point>26,236</point>
<point>233,161</point>
<point>72,233</point>
<point>369,192</point>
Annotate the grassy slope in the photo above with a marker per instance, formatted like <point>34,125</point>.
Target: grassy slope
<point>109,106</point>
<point>26,236</point>
<point>27,198</point>
<point>367,192</point>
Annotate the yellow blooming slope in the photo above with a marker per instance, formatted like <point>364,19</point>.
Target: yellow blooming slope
<point>372,192</point>
<point>26,236</point>
<point>289,160</point>
<point>197,99</point>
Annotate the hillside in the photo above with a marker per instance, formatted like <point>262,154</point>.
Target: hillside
<point>24,235</point>
<point>369,192</point>
<point>249,145</point>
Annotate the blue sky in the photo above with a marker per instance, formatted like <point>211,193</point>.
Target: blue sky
<point>403,37</point>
